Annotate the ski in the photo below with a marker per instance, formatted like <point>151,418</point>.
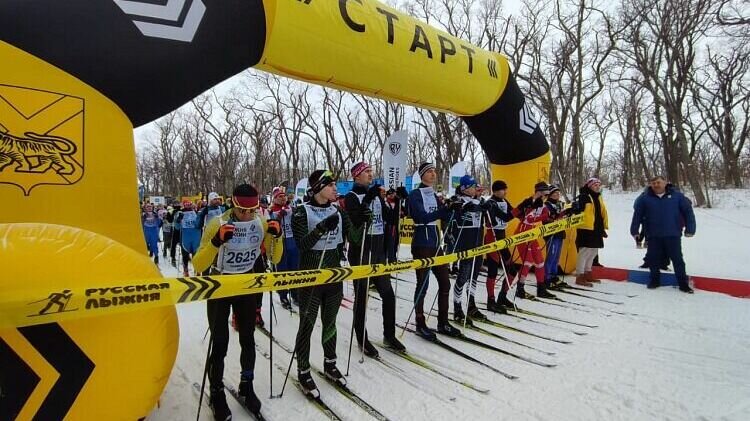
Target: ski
<point>520,316</point>
<point>592,298</point>
<point>545,316</point>
<point>525,332</point>
<point>316,400</point>
<point>568,286</point>
<point>349,394</point>
<point>265,331</point>
<point>485,345</point>
<point>460,353</point>
<point>233,392</point>
<point>429,367</point>
<point>504,338</point>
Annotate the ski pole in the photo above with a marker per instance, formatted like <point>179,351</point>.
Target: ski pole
<point>455,244</point>
<point>354,319</point>
<point>500,258</point>
<point>471,280</point>
<point>364,321</point>
<point>205,373</point>
<point>420,295</point>
<point>307,311</point>
<point>270,342</point>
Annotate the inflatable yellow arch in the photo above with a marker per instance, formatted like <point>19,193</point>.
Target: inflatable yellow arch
<point>78,75</point>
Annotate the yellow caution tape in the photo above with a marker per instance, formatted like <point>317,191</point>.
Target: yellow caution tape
<point>25,305</point>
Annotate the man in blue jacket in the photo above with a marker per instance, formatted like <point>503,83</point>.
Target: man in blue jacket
<point>427,210</point>
<point>664,211</point>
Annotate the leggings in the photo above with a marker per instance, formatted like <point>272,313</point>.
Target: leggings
<point>586,257</point>
<point>328,298</point>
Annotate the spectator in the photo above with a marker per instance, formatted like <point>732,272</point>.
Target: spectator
<point>590,236</point>
<point>664,212</point>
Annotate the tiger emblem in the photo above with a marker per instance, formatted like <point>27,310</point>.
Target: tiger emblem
<point>52,152</point>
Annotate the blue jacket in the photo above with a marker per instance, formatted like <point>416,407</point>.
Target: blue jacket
<point>663,216</point>
<point>425,235</point>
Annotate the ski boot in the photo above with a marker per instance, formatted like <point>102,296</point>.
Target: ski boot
<point>259,318</point>
<point>458,316</point>
<point>308,384</point>
<point>245,390</point>
<point>557,284</point>
<point>446,328</point>
<point>369,349</point>
<point>185,272</point>
<point>333,373</point>
<point>582,281</point>
<point>473,312</point>
<point>521,293</point>
<point>394,344</point>
<point>218,403</point>
<point>541,292</point>
<point>498,307</point>
<point>156,259</point>
<point>503,301</point>
<point>653,284</point>
<point>424,331</point>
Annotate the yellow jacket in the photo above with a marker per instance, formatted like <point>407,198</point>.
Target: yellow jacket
<point>588,213</point>
<point>207,252</point>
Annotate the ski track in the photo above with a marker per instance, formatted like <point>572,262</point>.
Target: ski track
<point>679,358</point>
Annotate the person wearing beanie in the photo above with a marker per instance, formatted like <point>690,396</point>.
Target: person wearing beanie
<point>151,222</point>
<point>426,210</point>
<point>319,229</point>
<point>499,212</point>
<point>176,231</point>
<point>591,234</point>
<point>367,210</point>
<point>468,235</point>
<point>554,242</point>
<point>532,213</point>
<point>281,211</point>
<point>231,244</point>
<point>213,209</point>
<point>190,233</point>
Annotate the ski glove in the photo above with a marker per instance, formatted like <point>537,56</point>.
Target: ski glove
<point>366,215</point>
<point>455,206</point>
<point>224,234</point>
<point>328,224</point>
<point>274,228</point>
<point>371,194</point>
<point>402,193</point>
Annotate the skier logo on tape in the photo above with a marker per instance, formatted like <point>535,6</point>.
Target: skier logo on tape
<point>59,299</point>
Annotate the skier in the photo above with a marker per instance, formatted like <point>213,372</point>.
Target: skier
<point>166,230</point>
<point>367,209</point>
<point>281,211</point>
<point>426,210</point>
<point>151,224</point>
<point>666,213</point>
<point>190,233</point>
<point>500,212</point>
<point>532,213</point>
<point>468,235</point>
<point>319,229</point>
<point>176,231</point>
<point>231,244</point>
<point>555,241</point>
<point>212,210</point>
<point>591,234</point>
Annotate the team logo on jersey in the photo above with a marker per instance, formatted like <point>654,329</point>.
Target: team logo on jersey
<point>41,137</point>
<point>177,20</point>
<point>394,147</point>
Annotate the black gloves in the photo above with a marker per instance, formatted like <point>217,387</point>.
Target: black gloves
<point>402,193</point>
<point>328,224</point>
<point>455,206</point>
<point>366,215</point>
<point>371,194</point>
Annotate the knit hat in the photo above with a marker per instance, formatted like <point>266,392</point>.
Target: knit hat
<point>541,186</point>
<point>245,196</point>
<point>553,188</point>
<point>186,204</point>
<point>359,168</point>
<point>424,167</point>
<point>592,182</point>
<point>213,195</point>
<point>466,182</point>
<point>499,185</point>
<point>277,191</point>
<point>319,179</point>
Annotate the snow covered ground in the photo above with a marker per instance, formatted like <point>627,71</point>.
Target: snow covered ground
<point>659,355</point>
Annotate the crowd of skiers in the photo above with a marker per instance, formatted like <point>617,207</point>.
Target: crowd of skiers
<point>250,234</point>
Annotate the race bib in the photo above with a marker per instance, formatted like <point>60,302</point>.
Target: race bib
<point>189,219</point>
<point>314,216</point>
<point>238,255</point>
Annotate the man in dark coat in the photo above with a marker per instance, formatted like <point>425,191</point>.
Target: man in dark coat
<point>664,212</point>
